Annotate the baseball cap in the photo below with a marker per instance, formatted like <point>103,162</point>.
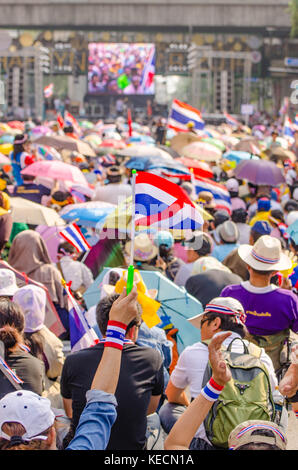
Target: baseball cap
<point>222,305</point>
<point>232,185</point>
<point>220,217</point>
<point>252,432</point>
<point>30,410</point>
<point>264,204</point>
<point>262,227</point>
<point>8,283</point>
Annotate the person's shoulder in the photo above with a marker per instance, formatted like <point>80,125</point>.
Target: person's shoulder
<point>233,288</point>
<point>143,355</point>
<point>287,294</point>
<point>76,357</point>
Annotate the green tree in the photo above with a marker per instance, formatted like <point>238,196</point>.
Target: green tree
<point>294,18</point>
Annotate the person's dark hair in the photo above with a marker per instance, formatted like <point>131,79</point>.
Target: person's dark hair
<point>28,177</point>
<point>260,445</point>
<point>255,235</point>
<point>17,429</point>
<point>220,217</point>
<point>291,205</point>
<point>18,148</point>
<point>11,314</point>
<point>293,244</point>
<point>234,194</point>
<point>263,273</point>
<point>68,129</point>
<point>239,216</point>
<point>10,336</point>
<point>277,214</point>
<point>227,323</point>
<point>35,342</point>
<point>103,310</point>
<point>65,246</point>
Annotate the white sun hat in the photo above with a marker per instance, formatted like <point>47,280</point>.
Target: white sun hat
<point>265,255</point>
<point>223,305</point>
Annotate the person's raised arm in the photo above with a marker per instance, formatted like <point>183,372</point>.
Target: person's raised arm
<point>94,428</point>
<point>187,425</point>
<point>123,311</point>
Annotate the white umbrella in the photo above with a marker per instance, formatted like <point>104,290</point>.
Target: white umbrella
<point>202,151</point>
<point>28,212</point>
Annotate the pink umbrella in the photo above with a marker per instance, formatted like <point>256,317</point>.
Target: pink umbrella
<point>56,170</point>
<point>41,130</point>
<point>201,151</point>
<point>4,160</point>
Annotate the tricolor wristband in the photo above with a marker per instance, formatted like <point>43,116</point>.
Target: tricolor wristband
<point>115,335</point>
<point>212,390</point>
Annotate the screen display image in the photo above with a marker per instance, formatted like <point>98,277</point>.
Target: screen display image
<point>121,69</point>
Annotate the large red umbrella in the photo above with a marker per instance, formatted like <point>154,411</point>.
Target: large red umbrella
<point>199,168</point>
<point>17,125</point>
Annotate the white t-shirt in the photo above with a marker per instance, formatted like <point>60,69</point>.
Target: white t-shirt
<point>192,363</point>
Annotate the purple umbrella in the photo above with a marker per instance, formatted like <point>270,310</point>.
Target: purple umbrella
<point>260,172</point>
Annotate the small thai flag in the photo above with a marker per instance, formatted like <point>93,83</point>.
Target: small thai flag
<point>48,90</point>
<point>149,70</point>
<point>220,193</point>
<point>231,120</point>
<point>108,159</point>
<point>81,334</point>
<point>74,236</point>
<point>69,120</point>
<point>288,129</point>
<point>182,113</point>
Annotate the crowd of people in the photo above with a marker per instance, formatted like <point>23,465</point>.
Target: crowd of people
<point>135,387</point>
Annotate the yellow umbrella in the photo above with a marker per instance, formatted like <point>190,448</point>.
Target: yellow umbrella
<point>6,148</point>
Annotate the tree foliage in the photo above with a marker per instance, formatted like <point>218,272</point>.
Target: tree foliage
<point>294,18</point>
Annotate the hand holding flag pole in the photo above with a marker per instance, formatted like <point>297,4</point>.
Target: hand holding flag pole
<point>130,274</point>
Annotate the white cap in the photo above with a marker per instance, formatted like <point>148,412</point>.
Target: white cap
<point>8,283</point>
<point>222,305</point>
<point>232,185</point>
<point>30,410</point>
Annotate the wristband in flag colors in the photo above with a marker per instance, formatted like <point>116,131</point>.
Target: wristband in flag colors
<point>212,390</point>
<point>115,335</point>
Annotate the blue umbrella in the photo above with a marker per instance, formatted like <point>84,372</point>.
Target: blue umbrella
<point>238,155</point>
<point>176,305</point>
<point>152,163</point>
<point>93,217</point>
<point>7,139</point>
<point>142,138</point>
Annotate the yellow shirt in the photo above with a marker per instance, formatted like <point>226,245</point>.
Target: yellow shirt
<point>260,216</point>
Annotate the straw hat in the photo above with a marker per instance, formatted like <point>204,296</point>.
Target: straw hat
<point>222,305</point>
<point>144,249</point>
<point>265,255</point>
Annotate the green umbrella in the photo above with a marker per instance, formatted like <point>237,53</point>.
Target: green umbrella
<point>216,142</point>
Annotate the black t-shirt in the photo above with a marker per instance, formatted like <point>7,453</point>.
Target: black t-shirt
<point>28,368</point>
<point>208,285</point>
<point>31,191</point>
<point>141,376</point>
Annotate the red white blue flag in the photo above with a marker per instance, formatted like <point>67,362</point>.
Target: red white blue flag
<point>220,193</point>
<point>149,71</point>
<point>81,334</point>
<point>288,129</point>
<point>159,203</point>
<point>182,113</point>
<point>231,120</point>
<point>73,235</point>
<point>48,90</point>
<point>69,120</point>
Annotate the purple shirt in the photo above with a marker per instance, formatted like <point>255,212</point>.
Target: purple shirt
<point>268,310</point>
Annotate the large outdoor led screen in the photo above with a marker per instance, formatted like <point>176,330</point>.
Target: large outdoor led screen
<point>121,68</point>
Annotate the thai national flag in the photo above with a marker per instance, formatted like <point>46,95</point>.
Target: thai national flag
<point>159,203</point>
<point>149,71</point>
<point>81,334</point>
<point>182,113</point>
<point>74,236</point>
<point>288,129</point>
<point>69,120</point>
<point>48,90</point>
<point>220,193</point>
<point>108,159</point>
<point>231,120</point>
